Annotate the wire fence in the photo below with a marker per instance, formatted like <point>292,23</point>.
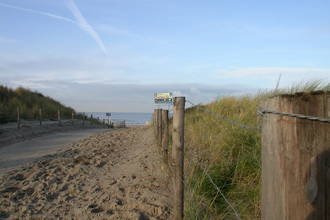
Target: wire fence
<point>244,126</point>
<point>222,195</point>
<point>300,116</point>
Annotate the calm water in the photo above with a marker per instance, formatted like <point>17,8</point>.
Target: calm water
<point>130,118</point>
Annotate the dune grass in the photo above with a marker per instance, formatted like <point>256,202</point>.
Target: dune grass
<point>29,103</point>
<point>229,154</point>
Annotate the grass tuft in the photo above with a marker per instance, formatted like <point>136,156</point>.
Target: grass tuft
<point>231,155</point>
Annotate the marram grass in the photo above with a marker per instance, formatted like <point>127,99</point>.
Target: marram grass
<point>229,154</point>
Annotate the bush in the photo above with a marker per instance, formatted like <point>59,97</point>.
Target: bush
<point>29,103</point>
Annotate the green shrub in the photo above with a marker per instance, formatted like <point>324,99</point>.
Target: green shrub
<point>29,103</point>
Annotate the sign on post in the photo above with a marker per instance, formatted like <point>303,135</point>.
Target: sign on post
<point>108,114</point>
<point>163,98</point>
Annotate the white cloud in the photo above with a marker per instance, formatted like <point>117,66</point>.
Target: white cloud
<point>102,97</point>
<point>270,74</point>
<point>84,25</point>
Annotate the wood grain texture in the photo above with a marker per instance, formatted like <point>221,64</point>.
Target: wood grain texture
<point>165,135</point>
<point>295,159</point>
<point>178,156</point>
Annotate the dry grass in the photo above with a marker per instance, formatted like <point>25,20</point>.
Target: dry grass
<point>231,155</point>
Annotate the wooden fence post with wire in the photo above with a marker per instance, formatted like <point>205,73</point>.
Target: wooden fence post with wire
<point>165,135</point>
<point>159,127</point>
<point>154,122</point>
<point>178,156</point>
<point>156,125</point>
<point>296,157</point>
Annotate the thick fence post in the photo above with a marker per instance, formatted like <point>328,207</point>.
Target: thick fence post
<point>296,159</point>
<point>178,156</point>
<point>59,117</point>
<point>18,119</point>
<point>154,122</point>
<point>40,116</point>
<point>165,135</point>
<point>159,127</point>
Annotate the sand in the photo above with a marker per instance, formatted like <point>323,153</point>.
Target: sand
<point>9,134</point>
<point>114,175</point>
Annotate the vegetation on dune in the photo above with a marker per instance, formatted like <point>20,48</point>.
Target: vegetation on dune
<point>229,154</point>
<point>29,103</point>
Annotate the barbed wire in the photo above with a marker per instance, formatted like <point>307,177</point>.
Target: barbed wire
<point>223,196</point>
<point>231,121</point>
<point>306,117</point>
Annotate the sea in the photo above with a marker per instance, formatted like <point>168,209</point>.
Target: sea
<point>129,118</point>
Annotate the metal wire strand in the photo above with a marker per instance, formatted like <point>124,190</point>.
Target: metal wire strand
<point>306,117</point>
<point>223,196</point>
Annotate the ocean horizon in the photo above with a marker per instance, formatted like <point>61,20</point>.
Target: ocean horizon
<point>131,118</point>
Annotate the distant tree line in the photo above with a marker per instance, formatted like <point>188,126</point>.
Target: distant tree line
<point>29,103</point>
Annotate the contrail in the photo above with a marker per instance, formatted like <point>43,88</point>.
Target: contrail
<point>39,13</point>
<point>80,20</point>
<point>84,25</point>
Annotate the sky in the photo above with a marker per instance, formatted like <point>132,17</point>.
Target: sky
<point>113,55</point>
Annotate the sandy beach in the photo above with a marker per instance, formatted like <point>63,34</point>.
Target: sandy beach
<point>117,174</point>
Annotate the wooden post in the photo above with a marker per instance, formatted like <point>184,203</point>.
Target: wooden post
<point>156,125</point>
<point>40,116</point>
<point>83,120</point>
<point>178,156</point>
<point>165,135</point>
<point>59,117</point>
<point>296,158</point>
<point>18,119</point>
<point>154,122</point>
<point>159,128</point>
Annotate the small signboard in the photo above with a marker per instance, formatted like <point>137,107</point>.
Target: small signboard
<point>108,114</point>
<point>163,98</point>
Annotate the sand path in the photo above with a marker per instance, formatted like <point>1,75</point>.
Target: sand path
<point>113,175</point>
<point>18,154</point>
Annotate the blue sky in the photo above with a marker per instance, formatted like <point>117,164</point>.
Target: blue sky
<point>186,46</point>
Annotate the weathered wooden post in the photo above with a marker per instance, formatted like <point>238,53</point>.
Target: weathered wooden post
<point>165,135</point>
<point>59,117</point>
<point>296,158</point>
<point>156,125</point>
<point>154,122</point>
<point>18,119</point>
<point>40,116</point>
<point>178,156</point>
<point>160,128</point>
<point>83,119</point>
